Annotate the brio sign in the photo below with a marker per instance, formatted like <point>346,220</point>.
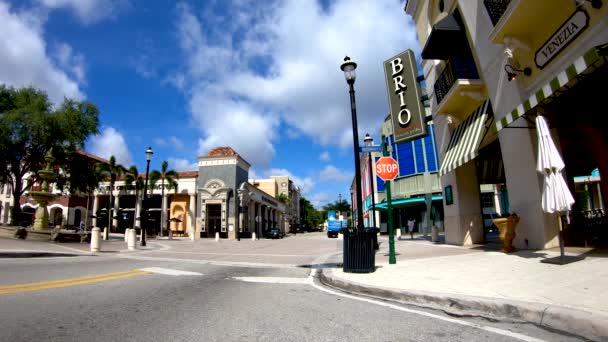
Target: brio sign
<point>387,168</point>
<point>407,113</point>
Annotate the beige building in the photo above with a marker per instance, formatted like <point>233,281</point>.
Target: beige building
<point>281,187</point>
<point>491,67</point>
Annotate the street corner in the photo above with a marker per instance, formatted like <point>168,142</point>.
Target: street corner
<point>590,324</point>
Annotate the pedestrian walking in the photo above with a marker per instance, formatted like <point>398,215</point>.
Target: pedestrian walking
<point>411,222</point>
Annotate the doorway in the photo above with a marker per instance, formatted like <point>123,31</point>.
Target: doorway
<point>214,219</point>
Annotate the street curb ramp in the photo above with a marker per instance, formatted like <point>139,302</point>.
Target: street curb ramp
<point>587,324</point>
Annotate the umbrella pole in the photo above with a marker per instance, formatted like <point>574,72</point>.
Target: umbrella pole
<point>561,239</point>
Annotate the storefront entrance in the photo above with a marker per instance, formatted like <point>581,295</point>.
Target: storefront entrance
<point>214,220</point>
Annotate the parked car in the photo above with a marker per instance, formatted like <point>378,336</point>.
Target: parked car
<point>274,233</point>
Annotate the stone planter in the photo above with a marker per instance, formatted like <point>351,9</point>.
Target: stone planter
<point>506,228</point>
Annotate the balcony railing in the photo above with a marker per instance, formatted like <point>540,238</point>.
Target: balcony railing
<point>496,8</point>
<point>455,69</point>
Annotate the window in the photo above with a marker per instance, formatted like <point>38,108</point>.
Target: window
<point>487,199</point>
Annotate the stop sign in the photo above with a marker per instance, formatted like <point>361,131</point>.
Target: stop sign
<point>387,168</point>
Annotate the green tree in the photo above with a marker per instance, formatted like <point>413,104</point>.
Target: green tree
<point>80,175</point>
<point>133,178</point>
<point>310,216</point>
<point>283,198</point>
<point>113,171</point>
<point>30,126</point>
<point>165,176</point>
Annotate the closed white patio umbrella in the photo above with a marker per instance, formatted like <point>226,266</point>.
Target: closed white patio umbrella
<point>557,198</point>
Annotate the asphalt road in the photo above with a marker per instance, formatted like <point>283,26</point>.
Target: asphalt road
<point>110,298</point>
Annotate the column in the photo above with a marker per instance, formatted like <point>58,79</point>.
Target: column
<point>95,208</point>
<point>115,212</point>
<point>137,209</point>
<point>192,215</point>
<point>251,213</point>
<point>163,216</point>
<point>258,225</point>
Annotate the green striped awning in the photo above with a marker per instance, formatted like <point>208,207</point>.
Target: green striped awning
<point>586,64</point>
<point>465,140</point>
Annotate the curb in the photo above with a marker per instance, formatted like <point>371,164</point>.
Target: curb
<point>21,255</point>
<point>590,325</point>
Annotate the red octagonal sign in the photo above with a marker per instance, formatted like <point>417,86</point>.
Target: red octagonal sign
<point>387,168</point>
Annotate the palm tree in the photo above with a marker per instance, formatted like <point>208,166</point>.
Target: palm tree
<point>112,170</point>
<point>133,177</point>
<point>168,177</point>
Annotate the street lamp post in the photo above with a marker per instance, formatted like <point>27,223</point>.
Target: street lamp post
<point>349,73</point>
<point>144,220</point>
<point>358,248</point>
<point>369,141</point>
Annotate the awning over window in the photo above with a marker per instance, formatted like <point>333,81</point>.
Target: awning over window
<point>405,201</point>
<point>447,39</point>
<point>584,65</point>
<point>465,140</point>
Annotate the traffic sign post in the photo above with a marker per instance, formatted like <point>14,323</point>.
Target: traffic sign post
<point>370,148</point>
<point>387,169</point>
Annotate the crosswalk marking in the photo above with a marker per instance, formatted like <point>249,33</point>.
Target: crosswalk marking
<point>168,271</point>
<point>273,280</point>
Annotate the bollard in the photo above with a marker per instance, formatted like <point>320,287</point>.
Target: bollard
<point>127,234</point>
<point>434,234</point>
<point>398,233</point>
<point>104,234</point>
<point>191,234</point>
<point>132,239</point>
<point>95,243</point>
<point>253,236</point>
<point>217,236</point>
<point>170,236</point>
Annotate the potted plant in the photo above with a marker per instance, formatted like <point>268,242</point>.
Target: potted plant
<point>506,227</point>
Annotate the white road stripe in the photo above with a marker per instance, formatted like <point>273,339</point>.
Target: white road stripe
<point>274,280</point>
<point>168,271</point>
<point>427,314</point>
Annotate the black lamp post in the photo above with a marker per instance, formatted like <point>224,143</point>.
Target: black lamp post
<point>349,73</point>
<point>144,220</point>
<point>369,141</point>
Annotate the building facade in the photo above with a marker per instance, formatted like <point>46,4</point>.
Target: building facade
<point>415,192</point>
<point>216,198</point>
<point>493,66</point>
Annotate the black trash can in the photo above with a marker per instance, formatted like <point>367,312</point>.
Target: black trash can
<point>359,255</point>
<point>374,231</point>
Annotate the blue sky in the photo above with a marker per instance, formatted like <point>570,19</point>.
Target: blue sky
<point>183,77</point>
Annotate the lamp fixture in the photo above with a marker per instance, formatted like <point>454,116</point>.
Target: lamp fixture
<point>512,71</point>
<point>597,4</point>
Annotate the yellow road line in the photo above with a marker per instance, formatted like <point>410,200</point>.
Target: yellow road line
<point>69,282</point>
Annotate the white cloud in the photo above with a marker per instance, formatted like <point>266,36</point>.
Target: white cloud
<point>319,199</point>
<point>143,66</point>
<point>279,63</point>
<point>332,174</point>
<point>324,156</point>
<point>110,142</point>
<point>70,61</point>
<point>182,164</point>
<point>88,11</point>
<point>171,141</point>
<point>24,60</point>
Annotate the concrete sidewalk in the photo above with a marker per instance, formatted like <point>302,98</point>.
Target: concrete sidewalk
<point>481,282</point>
<point>11,247</point>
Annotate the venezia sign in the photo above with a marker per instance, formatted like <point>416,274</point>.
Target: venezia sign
<point>576,24</point>
<point>407,113</point>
